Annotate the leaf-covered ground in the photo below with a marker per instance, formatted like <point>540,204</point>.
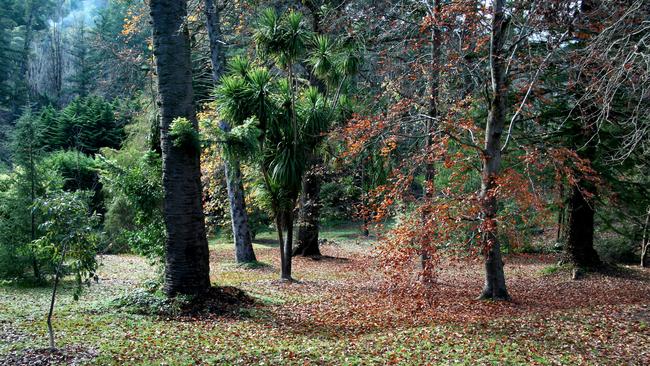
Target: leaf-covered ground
<point>337,314</point>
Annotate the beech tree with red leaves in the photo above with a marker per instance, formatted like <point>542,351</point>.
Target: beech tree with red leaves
<point>427,116</point>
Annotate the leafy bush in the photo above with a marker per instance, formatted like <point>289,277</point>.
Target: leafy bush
<point>86,124</point>
<point>16,210</point>
<point>617,249</point>
<point>79,172</point>
<point>184,135</point>
<point>70,234</point>
<point>135,195</point>
<point>338,199</point>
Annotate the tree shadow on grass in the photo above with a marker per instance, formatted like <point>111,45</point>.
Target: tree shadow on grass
<point>327,258</point>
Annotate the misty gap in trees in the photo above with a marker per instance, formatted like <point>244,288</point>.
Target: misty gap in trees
<point>437,128</point>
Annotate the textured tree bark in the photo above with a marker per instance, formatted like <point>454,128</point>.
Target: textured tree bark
<point>286,247</point>
<point>284,221</point>
<point>580,211</point>
<point>242,238</point>
<point>241,234</point>
<point>495,283</point>
<point>217,51</point>
<point>580,229</point>
<point>560,215</point>
<point>187,268</point>
<point>434,86</point>
<point>309,213</point>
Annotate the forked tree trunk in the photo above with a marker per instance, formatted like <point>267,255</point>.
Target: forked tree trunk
<point>308,215</point>
<point>187,267</point>
<point>580,230</point>
<point>495,282</point>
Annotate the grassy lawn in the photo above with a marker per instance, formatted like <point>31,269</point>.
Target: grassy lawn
<point>337,315</point>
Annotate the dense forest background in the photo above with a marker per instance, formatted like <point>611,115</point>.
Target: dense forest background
<point>431,132</point>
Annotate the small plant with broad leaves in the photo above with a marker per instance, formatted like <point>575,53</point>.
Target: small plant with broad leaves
<point>69,240</point>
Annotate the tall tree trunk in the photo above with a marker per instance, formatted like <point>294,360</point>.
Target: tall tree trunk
<point>434,86</point>
<point>645,241</point>
<point>560,214</point>
<point>27,43</point>
<point>308,215</point>
<point>495,283</point>
<point>580,227</point>
<point>580,210</point>
<point>217,51</point>
<point>57,65</point>
<point>241,234</point>
<point>240,229</point>
<point>365,225</point>
<point>187,267</point>
<point>286,246</point>
<point>284,221</point>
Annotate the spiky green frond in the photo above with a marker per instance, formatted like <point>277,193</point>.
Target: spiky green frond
<point>322,56</point>
<point>266,35</point>
<point>314,115</point>
<point>239,66</point>
<point>233,97</point>
<point>280,37</point>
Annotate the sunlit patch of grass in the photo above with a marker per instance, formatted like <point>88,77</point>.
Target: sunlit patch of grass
<point>554,269</point>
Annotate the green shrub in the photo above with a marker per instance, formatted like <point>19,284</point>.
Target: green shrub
<point>184,135</point>
<point>86,124</point>
<point>79,172</point>
<point>617,249</point>
<point>338,199</point>
<point>16,209</point>
<point>70,234</point>
<point>134,217</point>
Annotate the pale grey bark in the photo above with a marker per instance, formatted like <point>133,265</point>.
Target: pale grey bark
<point>240,230</point>
<point>241,233</point>
<point>495,283</point>
<point>645,241</point>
